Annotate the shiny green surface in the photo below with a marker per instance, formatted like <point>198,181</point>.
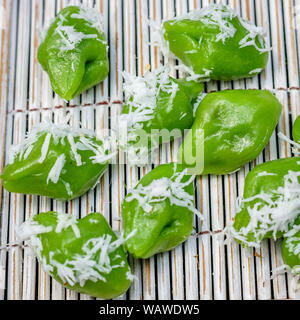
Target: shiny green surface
<point>237,125</point>
<point>73,71</point>
<point>29,176</point>
<point>256,183</point>
<point>195,43</point>
<point>64,245</point>
<point>162,229</point>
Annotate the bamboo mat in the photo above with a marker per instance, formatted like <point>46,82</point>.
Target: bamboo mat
<point>200,268</point>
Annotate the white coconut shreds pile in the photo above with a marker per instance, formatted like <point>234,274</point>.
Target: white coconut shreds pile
<point>295,146</point>
<point>62,134</point>
<point>70,36</point>
<point>273,212</point>
<point>213,15</point>
<point>94,263</point>
<point>293,240</point>
<point>162,189</point>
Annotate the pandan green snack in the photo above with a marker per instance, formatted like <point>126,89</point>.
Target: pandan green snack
<point>74,51</point>
<point>84,255</point>
<point>56,161</point>
<point>235,126</point>
<point>157,109</point>
<point>270,204</point>
<point>215,43</point>
<point>158,212</point>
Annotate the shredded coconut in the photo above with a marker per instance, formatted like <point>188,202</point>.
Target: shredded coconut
<point>254,33</point>
<point>45,148</point>
<point>272,212</point>
<point>55,171</point>
<point>197,102</point>
<point>70,36</point>
<point>293,240</point>
<point>101,155</point>
<point>141,94</point>
<point>218,16</point>
<point>62,133</point>
<point>165,188</point>
<point>295,145</point>
<point>65,221</point>
<point>92,16</point>
<point>215,15</point>
<point>131,277</point>
<point>29,230</point>
<point>191,75</point>
<point>93,264</point>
